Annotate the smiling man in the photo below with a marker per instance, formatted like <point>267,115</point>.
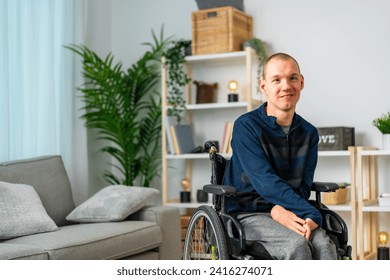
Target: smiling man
<point>272,167</point>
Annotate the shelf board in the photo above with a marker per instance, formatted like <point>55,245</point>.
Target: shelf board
<point>333,153</point>
<point>218,56</point>
<point>207,106</point>
<point>375,153</point>
<point>193,156</point>
<point>320,153</point>
<point>186,205</point>
<point>205,155</point>
<point>340,207</point>
<point>188,156</point>
<point>376,208</point>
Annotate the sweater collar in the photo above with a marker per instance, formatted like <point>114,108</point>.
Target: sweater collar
<point>271,120</point>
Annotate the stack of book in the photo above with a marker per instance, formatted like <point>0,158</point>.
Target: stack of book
<point>179,137</point>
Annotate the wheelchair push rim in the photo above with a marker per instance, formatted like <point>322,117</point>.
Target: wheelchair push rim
<point>205,237</point>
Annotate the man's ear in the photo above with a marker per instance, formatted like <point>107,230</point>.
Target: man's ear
<point>262,85</point>
<point>302,82</point>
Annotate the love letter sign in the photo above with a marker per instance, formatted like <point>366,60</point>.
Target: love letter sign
<point>335,138</point>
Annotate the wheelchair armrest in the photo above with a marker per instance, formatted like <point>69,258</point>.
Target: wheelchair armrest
<point>219,189</point>
<point>324,187</point>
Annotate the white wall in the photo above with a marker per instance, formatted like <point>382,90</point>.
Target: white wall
<point>342,47</point>
<point>133,22</point>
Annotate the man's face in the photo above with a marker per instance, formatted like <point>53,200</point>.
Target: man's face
<point>282,85</point>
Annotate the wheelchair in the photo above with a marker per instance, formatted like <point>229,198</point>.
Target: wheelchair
<point>213,234</point>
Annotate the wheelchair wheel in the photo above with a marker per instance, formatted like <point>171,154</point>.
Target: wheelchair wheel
<point>205,237</point>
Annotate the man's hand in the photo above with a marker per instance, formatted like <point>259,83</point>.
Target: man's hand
<point>292,221</point>
<point>310,225</point>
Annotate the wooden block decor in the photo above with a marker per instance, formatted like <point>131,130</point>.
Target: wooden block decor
<point>336,138</point>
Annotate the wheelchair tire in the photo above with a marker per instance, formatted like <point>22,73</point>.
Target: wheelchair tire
<point>205,237</point>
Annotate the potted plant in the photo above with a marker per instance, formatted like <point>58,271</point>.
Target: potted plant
<point>383,124</point>
<point>124,107</point>
<point>177,77</point>
<point>259,47</point>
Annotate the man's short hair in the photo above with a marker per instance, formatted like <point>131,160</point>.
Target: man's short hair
<point>281,56</point>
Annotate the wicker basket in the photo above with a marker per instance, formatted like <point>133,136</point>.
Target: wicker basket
<point>220,30</point>
<point>337,197</point>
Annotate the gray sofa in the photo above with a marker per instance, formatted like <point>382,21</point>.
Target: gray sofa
<point>153,232</point>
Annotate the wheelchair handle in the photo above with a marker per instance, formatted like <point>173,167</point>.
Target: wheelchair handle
<point>210,147</point>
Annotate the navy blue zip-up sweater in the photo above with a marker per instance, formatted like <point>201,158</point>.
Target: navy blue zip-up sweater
<point>269,167</point>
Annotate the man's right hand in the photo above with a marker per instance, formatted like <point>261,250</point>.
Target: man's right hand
<point>289,220</point>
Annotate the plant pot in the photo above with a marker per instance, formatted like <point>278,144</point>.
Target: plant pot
<point>202,196</point>
<point>386,141</point>
<point>185,197</point>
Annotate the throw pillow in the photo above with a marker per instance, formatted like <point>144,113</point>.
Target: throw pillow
<point>22,212</point>
<point>112,203</point>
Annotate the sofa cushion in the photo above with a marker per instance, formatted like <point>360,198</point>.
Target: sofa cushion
<point>22,212</point>
<point>48,177</point>
<point>96,241</point>
<point>112,203</point>
<point>9,251</point>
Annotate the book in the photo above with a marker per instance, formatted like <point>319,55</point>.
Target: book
<point>222,147</point>
<point>227,138</point>
<point>169,121</point>
<point>184,137</point>
<point>176,149</point>
<point>171,148</point>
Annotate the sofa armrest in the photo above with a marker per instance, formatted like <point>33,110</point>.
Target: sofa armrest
<point>168,218</point>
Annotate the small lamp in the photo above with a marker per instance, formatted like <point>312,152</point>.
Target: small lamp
<point>185,194</point>
<point>233,95</point>
<point>383,250</point>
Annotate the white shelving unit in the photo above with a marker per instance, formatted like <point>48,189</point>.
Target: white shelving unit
<point>196,67</point>
<point>350,208</point>
<point>367,200</point>
<point>342,154</point>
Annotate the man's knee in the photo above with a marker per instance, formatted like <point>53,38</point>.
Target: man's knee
<point>299,249</point>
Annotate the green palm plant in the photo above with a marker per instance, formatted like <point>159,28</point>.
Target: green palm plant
<point>124,107</point>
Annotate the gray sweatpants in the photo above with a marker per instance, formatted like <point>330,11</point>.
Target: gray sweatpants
<point>285,244</point>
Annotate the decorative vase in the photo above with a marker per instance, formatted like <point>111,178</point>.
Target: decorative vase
<point>386,141</point>
<point>185,197</point>
<point>202,196</point>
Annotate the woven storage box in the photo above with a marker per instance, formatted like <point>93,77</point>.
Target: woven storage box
<point>336,138</point>
<point>337,197</point>
<point>220,30</point>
